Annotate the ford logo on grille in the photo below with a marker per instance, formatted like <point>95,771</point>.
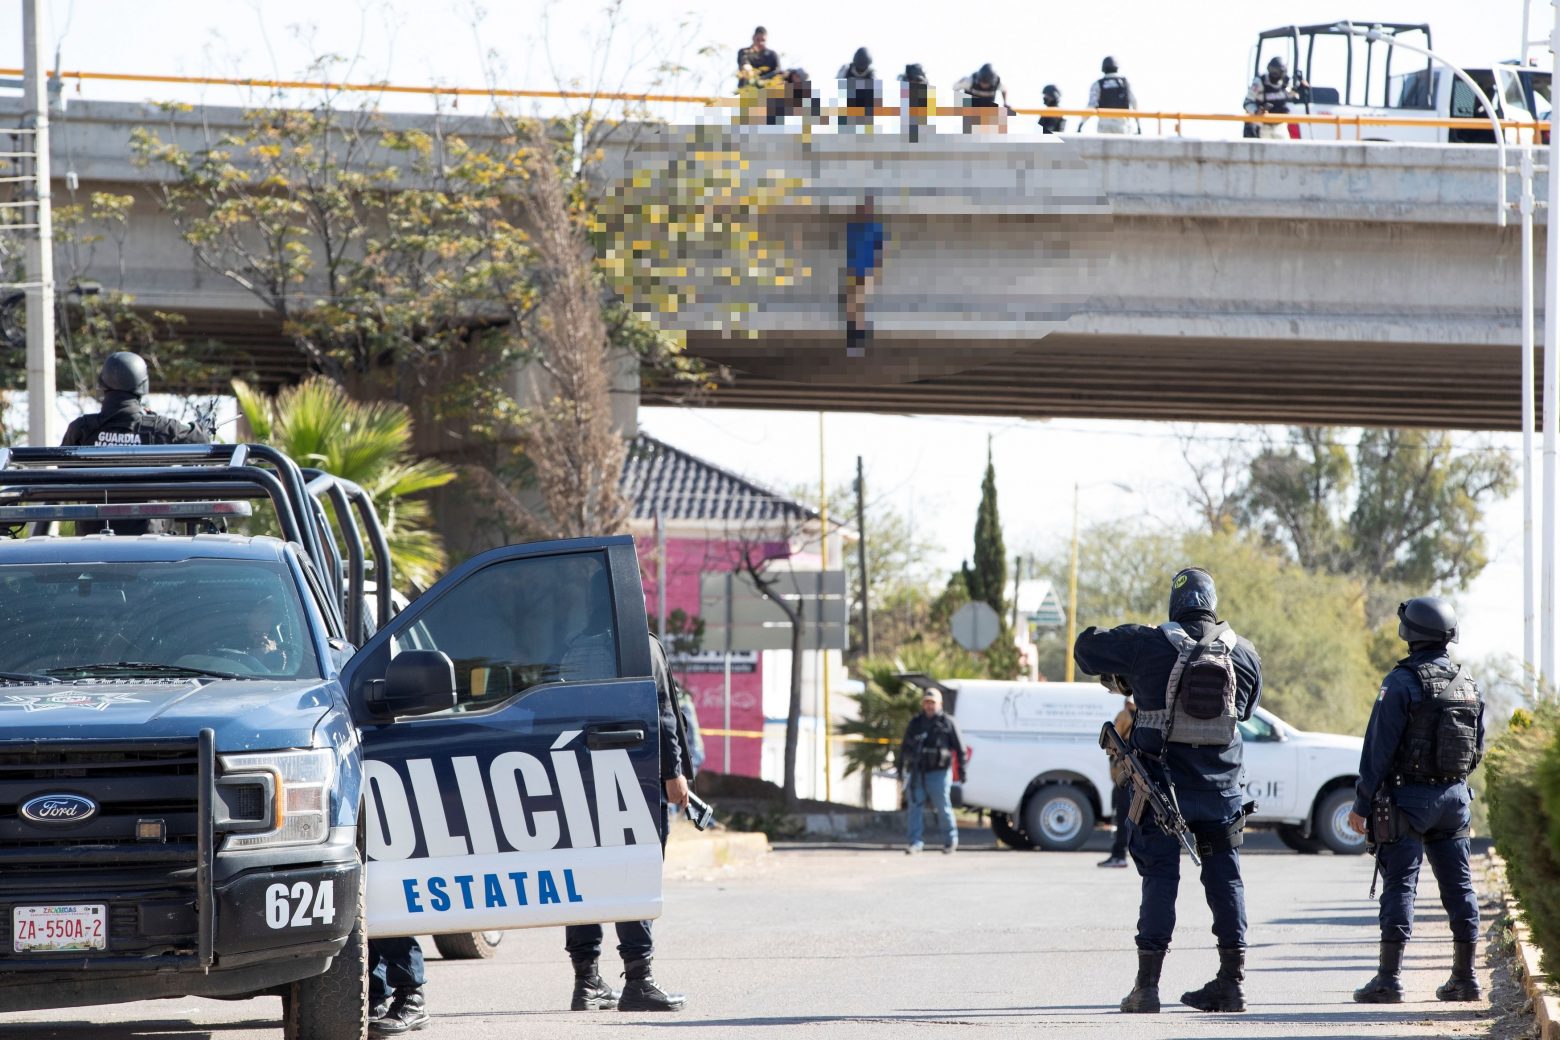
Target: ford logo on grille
<point>59,808</point>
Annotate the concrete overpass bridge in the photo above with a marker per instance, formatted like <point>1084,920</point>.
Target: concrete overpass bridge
<point>1156,278</point>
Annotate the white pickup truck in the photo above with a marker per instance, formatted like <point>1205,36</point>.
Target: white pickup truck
<point>1037,767</point>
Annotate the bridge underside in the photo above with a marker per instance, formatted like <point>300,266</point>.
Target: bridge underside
<point>1071,375</point>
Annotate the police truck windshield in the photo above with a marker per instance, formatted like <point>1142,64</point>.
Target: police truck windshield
<point>216,617</point>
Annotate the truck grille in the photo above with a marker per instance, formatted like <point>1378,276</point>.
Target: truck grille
<point>156,781</point>
<point>151,889</point>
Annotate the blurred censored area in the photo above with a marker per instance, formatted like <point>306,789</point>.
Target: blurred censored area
<point>766,246</point>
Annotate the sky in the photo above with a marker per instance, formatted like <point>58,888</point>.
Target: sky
<point>1193,57</point>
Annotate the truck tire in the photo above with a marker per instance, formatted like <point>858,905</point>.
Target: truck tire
<point>468,946</point>
<point>1289,834</point>
<point>1058,818</point>
<point>1331,824</point>
<point>1009,833</point>
<point>333,1006</point>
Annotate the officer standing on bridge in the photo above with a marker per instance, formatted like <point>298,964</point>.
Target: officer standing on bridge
<point>1111,90</point>
<point>1271,94</point>
<point>1426,734</point>
<point>1194,679</point>
<point>123,418</point>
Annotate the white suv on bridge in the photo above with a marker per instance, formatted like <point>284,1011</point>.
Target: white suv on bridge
<point>1037,767</point>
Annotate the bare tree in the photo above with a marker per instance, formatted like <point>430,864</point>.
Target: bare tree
<point>576,454</point>
<point>1218,478</point>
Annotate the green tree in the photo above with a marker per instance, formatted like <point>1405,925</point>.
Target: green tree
<point>1308,627</point>
<point>317,424</point>
<point>1401,508</point>
<point>987,579</point>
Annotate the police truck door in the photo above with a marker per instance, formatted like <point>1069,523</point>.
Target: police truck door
<point>536,799</point>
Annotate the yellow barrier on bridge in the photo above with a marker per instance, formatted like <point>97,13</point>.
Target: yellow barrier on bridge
<point>1177,120</point>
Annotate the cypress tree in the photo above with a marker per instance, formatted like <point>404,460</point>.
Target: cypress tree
<point>987,580</point>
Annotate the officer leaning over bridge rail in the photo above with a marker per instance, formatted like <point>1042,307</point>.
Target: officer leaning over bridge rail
<point>1194,680</point>
<point>1426,734</point>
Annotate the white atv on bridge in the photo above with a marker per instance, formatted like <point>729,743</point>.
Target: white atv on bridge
<point>1037,767</point>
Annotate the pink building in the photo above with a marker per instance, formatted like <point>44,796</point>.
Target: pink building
<point>708,518</point>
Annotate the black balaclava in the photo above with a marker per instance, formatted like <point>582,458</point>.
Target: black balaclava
<point>1192,593</point>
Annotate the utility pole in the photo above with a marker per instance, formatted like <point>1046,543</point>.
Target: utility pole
<point>1551,384</point>
<point>861,559</point>
<point>1072,596</point>
<point>40,233</point>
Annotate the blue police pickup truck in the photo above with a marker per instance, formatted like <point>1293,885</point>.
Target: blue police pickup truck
<point>219,775</point>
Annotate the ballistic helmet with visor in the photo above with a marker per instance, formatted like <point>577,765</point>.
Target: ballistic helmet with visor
<point>1108,66</point>
<point>1050,94</point>
<point>1427,619</point>
<point>1192,591</point>
<point>126,372</point>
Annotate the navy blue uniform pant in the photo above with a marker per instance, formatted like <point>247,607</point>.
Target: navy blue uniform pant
<point>1158,859</point>
<point>583,941</point>
<point>1121,802</point>
<point>392,965</point>
<point>1433,817</point>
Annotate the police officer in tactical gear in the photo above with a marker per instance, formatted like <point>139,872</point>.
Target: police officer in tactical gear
<point>1271,94</point>
<point>980,90</point>
<point>1194,679</point>
<point>123,418</point>
<point>1051,97</point>
<point>1426,734</point>
<point>1111,90</point>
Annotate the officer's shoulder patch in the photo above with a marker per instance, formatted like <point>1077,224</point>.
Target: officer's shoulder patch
<point>1381,693</point>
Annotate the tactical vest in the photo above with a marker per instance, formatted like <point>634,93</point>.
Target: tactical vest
<point>1114,93</point>
<point>986,95</point>
<point>1274,96</point>
<point>1441,741</point>
<point>1200,694</point>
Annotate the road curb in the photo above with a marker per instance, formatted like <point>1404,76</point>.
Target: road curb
<point>1546,1006</point>
<point>715,850</point>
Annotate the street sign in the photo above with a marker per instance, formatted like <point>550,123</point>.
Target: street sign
<point>1049,613</point>
<point>730,604</point>
<point>975,625</point>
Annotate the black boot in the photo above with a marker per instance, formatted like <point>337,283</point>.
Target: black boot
<point>591,992</point>
<point>1144,998</point>
<point>1463,985</point>
<point>405,1014</point>
<point>642,994</point>
<point>1387,986</point>
<point>1224,993</point>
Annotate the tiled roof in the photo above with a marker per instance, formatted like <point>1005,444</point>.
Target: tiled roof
<point>685,487</point>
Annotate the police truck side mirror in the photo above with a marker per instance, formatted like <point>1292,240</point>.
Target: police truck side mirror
<point>416,682</point>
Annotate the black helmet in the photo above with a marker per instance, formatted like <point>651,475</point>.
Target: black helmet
<point>1050,94</point>
<point>913,73</point>
<point>862,61</point>
<point>1191,591</point>
<point>986,75</point>
<point>1108,65</point>
<point>1427,619</point>
<point>125,372</point>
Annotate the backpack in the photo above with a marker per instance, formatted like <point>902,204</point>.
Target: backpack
<point>1114,92</point>
<point>1200,694</point>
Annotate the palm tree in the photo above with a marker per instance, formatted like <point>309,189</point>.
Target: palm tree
<point>368,442</point>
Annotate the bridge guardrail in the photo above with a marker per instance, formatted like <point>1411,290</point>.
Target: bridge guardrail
<point>1176,119</point>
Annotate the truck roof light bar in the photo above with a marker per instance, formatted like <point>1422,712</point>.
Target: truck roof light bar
<point>44,513</point>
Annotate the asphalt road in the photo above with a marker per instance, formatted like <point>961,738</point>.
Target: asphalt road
<point>870,943</point>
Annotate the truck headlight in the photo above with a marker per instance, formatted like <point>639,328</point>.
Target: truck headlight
<point>301,804</point>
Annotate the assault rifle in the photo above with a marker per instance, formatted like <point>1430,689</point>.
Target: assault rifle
<point>1146,792</point>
